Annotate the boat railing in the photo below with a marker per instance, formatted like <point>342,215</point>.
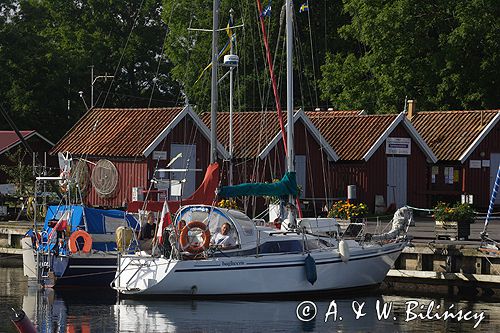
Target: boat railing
<point>120,270</point>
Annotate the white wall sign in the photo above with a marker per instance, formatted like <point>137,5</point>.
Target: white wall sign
<point>162,155</point>
<point>475,164</point>
<point>485,163</point>
<point>400,146</point>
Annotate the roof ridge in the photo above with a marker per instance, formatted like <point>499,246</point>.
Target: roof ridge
<point>458,111</point>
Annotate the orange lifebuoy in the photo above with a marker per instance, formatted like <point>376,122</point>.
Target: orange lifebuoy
<point>194,248</point>
<point>87,241</point>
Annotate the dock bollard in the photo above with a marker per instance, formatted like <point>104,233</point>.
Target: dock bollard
<point>22,322</point>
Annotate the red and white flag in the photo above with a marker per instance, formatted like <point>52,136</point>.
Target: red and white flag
<point>165,221</point>
<point>61,224</point>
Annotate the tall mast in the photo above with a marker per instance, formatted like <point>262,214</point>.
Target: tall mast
<point>231,148</point>
<point>213,113</point>
<point>289,101</point>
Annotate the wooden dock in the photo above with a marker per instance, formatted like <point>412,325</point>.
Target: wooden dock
<point>454,267</point>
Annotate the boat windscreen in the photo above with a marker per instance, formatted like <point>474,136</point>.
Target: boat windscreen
<point>247,225</point>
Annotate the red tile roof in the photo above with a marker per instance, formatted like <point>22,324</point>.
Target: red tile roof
<point>10,138</point>
<point>450,133</point>
<point>116,132</point>
<point>252,131</point>
<point>333,113</point>
<point>351,136</point>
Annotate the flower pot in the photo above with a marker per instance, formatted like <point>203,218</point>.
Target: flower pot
<point>452,230</point>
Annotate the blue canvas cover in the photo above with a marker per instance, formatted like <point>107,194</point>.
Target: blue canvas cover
<point>94,217</point>
<point>98,222</point>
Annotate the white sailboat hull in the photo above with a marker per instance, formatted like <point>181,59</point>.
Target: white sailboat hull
<point>246,275</point>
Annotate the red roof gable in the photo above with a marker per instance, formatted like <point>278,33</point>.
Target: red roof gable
<point>252,131</point>
<point>351,136</point>
<point>116,132</point>
<point>451,133</point>
<point>9,139</point>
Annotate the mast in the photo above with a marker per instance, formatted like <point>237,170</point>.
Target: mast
<point>231,148</point>
<point>213,110</point>
<point>289,99</point>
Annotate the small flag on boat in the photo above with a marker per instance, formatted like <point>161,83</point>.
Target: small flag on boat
<point>60,225</point>
<point>266,11</point>
<point>165,221</point>
<point>304,7</point>
<point>225,49</point>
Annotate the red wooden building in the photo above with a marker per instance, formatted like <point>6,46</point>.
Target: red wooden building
<point>259,154</point>
<point>120,149</point>
<point>467,146</point>
<point>383,155</point>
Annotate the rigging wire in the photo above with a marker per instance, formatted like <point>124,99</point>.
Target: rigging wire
<point>123,50</point>
<point>312,56</point>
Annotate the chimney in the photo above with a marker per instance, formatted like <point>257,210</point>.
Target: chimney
<point>412,108</point>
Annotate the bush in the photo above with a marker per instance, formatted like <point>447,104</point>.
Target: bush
<point>459,212</point>
<point>345,210</point>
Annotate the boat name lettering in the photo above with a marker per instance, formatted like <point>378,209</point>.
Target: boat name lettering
<point>307,311</point>
<point>199,209</point>
<point>233,263</point>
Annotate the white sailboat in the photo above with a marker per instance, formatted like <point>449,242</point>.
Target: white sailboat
<point>310,256</point>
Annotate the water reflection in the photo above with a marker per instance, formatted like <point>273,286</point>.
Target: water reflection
<point>98,311</point>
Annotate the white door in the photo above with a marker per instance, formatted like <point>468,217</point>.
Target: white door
<point>397,182</point>
<point>300,173</point>
<point>187,161</point>
<point>494,162</point>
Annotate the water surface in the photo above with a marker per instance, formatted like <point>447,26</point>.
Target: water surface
<point>98,311</point>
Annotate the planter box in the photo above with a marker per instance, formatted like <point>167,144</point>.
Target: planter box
<point>452,230</point>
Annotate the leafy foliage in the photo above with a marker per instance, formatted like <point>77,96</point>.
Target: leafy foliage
<point>350,54</point>
<point>346,210</point>
<point>444,54</point>
<point>458,212</point>
<point>49,45</point>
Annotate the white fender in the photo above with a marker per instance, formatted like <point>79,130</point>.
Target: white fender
<point>344,251</point>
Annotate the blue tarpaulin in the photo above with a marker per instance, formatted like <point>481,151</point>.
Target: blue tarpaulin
<point>94,221</point>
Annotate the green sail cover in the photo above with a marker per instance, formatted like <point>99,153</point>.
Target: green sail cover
<point>286,186</point>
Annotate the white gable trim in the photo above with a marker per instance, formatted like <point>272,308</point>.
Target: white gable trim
<point>480,138</point>
<point>419,140</point>
<point>203,129</point>
<point>383,137</point>
<point>26,138</point>
<point>330,152</point>
<point>413,134</point>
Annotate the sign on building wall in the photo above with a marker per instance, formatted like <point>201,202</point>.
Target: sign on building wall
<point>475,164</point>
<point>399,146</point>
<point>434,172</point>
<point>159,155</point>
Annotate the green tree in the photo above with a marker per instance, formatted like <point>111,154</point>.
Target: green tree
<point>444,54</point>
<point>48,46</point>
<point>190,51</point>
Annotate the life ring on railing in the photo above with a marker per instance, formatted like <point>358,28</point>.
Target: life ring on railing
<point>87,241</point>
<point>63,183</point>
<point>194,248</point>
